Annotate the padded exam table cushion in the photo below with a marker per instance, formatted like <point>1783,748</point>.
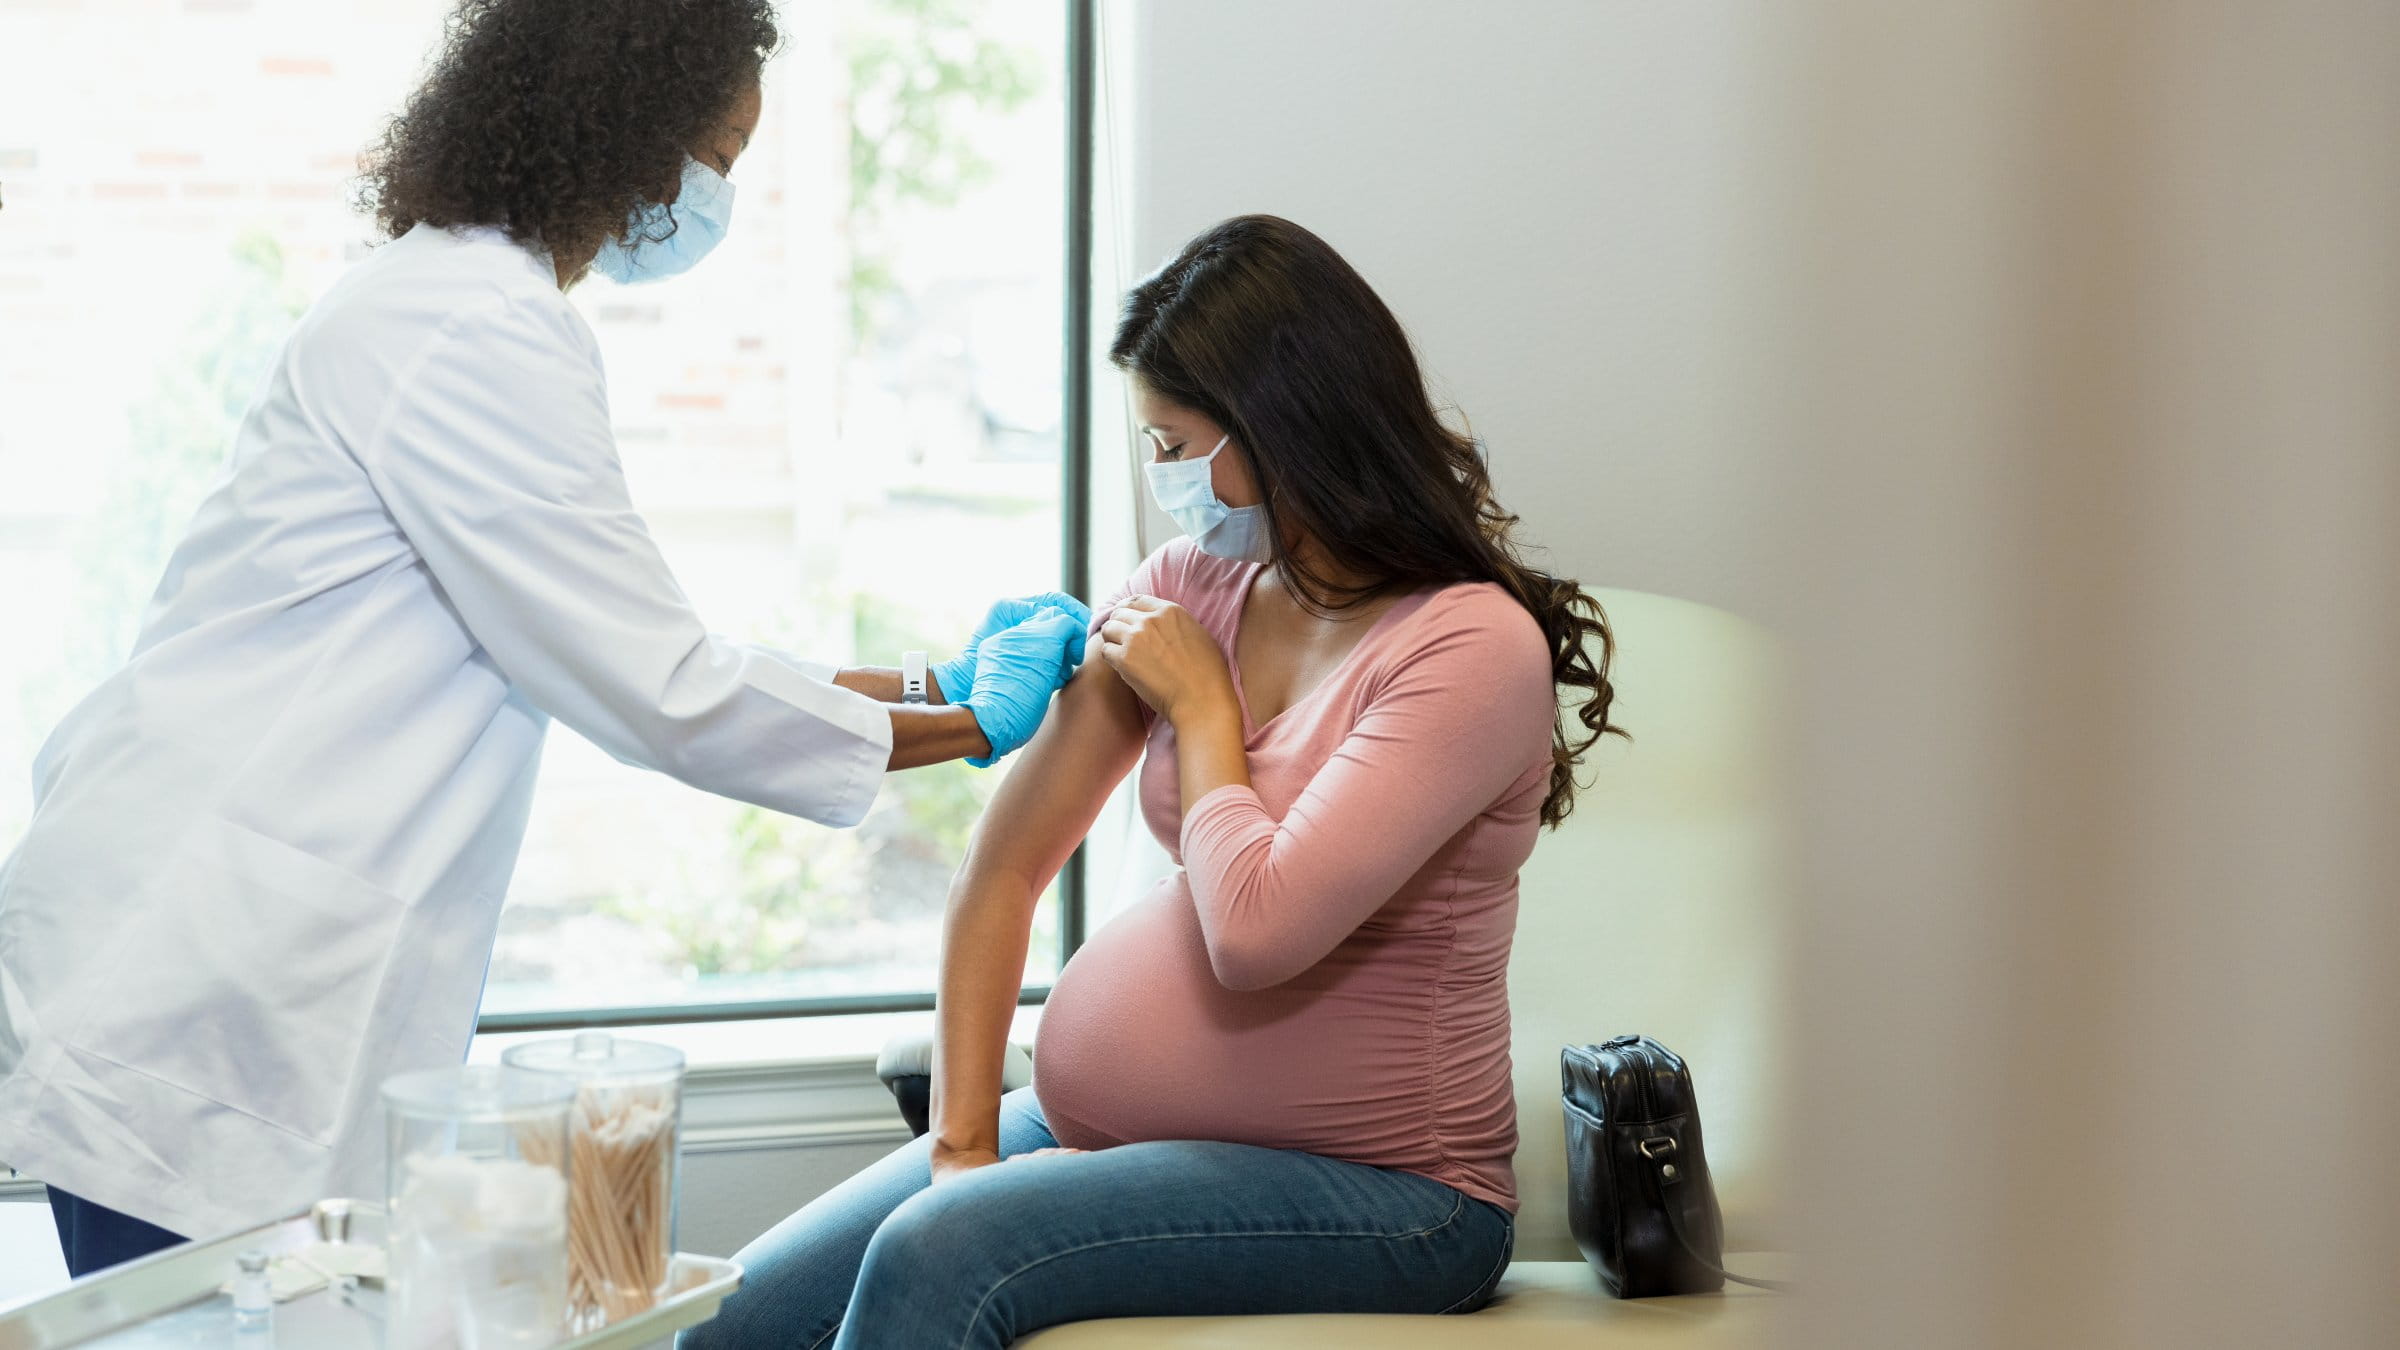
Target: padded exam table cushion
<point>1542,1305</point>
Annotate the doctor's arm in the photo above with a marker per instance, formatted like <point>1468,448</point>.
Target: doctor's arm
<point>497,460</point>
<point>1023,651</point>
<point>1040,813</point>
<point>953,681</point>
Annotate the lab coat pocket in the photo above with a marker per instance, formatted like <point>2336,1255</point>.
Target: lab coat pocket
<point>251,978</point>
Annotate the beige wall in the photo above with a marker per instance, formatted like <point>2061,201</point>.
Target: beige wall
<point>2094,567</point>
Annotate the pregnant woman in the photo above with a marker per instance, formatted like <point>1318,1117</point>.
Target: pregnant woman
<point>1280,1082</point>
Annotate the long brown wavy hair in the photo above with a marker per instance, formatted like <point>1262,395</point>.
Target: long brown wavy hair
<point>1259,325</point>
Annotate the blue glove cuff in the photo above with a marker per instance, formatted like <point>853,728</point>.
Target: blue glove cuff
<point>997,754</point>
<point>956,676</point>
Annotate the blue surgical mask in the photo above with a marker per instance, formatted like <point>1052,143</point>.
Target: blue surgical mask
<point>1186,490</point>
<point>703,209</point>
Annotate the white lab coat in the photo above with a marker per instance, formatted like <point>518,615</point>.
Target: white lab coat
<point>268,856</point>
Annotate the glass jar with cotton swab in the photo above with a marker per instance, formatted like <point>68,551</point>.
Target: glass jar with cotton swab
<point>623,1141</point>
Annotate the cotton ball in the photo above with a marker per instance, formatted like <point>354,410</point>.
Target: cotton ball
<point>517,1198</point>
<point>442,1189</point>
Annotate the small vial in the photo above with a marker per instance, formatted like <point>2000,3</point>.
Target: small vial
<point>253,1300</point>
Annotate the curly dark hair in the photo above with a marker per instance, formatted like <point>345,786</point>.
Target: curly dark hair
<point>555,120</point>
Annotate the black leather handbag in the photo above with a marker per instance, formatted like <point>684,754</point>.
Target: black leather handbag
<point>1639,1199</point>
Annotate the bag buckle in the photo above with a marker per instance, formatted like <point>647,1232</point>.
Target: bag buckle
<point>1658,1149</point>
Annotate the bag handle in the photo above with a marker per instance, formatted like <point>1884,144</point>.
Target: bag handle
<point>1660,1151</point>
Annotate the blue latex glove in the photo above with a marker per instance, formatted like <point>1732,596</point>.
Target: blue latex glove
<point>956,676</point>
<point>1016,671</point>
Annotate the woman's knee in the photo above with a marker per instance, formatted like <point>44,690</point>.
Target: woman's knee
<point>969,1230</point>
<point>939,1228</point>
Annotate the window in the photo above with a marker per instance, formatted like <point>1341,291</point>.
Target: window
<point>845,429</point>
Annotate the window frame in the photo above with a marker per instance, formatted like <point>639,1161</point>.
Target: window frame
<point>1075,509</point>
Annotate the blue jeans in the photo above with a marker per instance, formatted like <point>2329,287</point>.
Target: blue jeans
<point>95,1237</point>
<point>886,1261</point>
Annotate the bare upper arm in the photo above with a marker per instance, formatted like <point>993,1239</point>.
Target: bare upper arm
<point>1061,779</point>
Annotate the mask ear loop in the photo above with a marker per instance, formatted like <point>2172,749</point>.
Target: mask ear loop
<point>1211,458</point>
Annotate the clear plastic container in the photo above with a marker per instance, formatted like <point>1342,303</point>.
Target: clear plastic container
<point>477,1189</point>
<point>624,1134</point>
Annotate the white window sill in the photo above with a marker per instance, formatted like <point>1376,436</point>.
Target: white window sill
<point>769,1042</point>
<point>777,1083</point>
<point>759,1083</point>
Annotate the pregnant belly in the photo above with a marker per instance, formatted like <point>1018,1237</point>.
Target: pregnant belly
<point>1139,1041</point>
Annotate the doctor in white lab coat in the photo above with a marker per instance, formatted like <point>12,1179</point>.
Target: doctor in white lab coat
<point>269,854</point>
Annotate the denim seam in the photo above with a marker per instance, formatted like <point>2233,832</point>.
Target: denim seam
<point>1035,1115</point>
<point>1508,1250</point>
<point>1458,1206</point>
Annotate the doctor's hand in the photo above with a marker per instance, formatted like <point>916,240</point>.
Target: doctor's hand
<point>1168,659</point>
<point>955,678</point>
<point>1016,671</point>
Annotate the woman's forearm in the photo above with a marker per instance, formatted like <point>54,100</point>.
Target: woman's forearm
<point>1023,839</point>
<point>1209,751</point>
<point>984,936</point>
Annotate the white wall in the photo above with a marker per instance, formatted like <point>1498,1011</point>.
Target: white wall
<point>1556,197</point>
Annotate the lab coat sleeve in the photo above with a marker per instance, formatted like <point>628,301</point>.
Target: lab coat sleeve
<point>496,458</point>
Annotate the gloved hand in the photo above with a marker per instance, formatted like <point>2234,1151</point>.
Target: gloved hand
<point>1016,671</point>
<point>956,676</point>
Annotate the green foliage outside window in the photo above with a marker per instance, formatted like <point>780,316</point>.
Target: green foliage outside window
<point>920,73</point>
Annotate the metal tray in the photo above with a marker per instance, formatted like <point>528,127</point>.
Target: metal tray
<point>172,1299</point>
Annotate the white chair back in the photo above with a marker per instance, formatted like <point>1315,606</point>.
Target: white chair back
<point>1655,909</point>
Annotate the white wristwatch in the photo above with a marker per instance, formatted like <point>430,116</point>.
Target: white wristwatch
<point>912,677</point>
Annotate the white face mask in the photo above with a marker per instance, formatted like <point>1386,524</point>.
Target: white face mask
<point>1186,490</point>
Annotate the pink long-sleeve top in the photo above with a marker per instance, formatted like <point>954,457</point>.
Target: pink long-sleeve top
<point>1328,969</point>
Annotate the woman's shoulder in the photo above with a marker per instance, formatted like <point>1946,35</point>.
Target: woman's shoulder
<point>1177,570</point>
<point>1482,617</point>
<point>1478,656</point>
<point>1471,636</point>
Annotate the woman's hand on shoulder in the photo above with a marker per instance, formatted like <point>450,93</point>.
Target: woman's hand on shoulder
<point>1167,659</point>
